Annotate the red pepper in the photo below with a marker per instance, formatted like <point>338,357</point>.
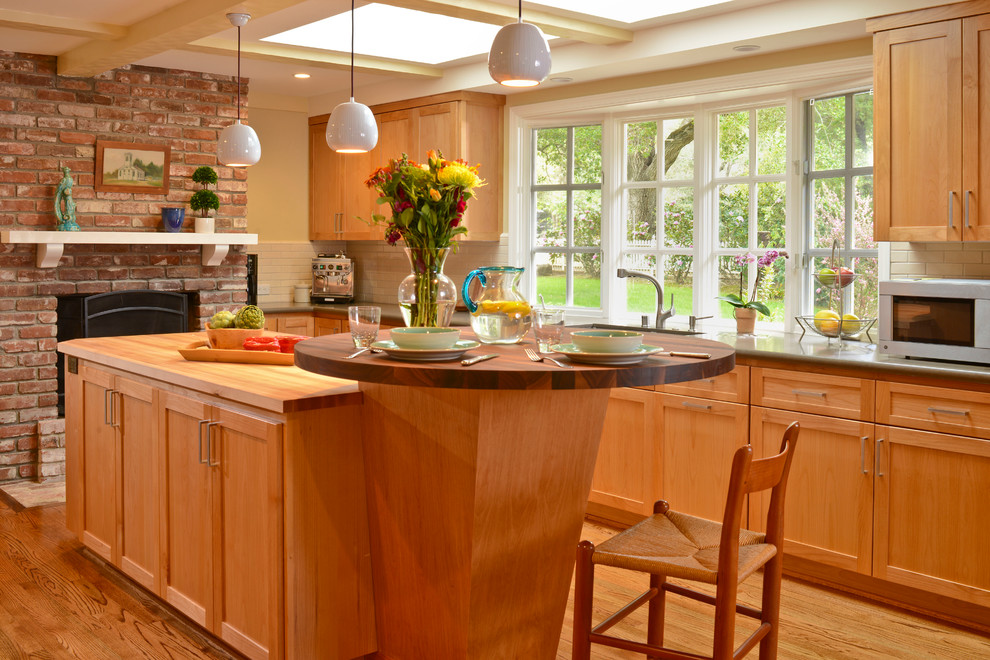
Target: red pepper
<point>288,344</point>
<point>261,344</point>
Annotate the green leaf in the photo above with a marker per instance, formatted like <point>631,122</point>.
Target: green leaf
<point>733,300</point>
<point>760,307</point>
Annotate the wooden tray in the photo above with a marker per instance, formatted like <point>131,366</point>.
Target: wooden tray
<point>201,352</point>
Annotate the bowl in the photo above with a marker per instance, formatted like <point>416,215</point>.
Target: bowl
<point>607,341</point>
<point>425,339</point>
<point>230,337</point>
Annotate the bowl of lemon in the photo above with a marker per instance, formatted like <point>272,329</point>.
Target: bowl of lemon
<point>829,323</point>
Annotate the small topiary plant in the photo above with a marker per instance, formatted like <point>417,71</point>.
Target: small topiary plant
<point>204,200</point>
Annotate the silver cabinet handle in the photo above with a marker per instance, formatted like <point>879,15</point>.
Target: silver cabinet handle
<point>710,381</point>
<point>948,411</point>
<point>966,209</point>
<point>877,460</point>
<point>209,444</point>
<point>862,454</point>
<point>696,406</point>
<point>202,460</point>
<point>952,199</point>
<point>107,408</point>
<point>820,395</point>
<point>115,408</point>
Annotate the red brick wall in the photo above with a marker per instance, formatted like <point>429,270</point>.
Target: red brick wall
<point>49,121</point>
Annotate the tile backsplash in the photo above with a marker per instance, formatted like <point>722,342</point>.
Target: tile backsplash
<point>944,260</point>
<point>379,267</point>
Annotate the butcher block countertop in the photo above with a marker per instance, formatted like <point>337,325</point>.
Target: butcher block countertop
<point>277,388</point>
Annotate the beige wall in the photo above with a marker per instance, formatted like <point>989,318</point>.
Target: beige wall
<point>278,199</point>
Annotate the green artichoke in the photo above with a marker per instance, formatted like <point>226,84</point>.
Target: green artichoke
<point>250,317</point>
<point>222,319</point>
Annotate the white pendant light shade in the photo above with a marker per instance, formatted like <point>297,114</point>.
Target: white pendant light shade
<point>352,128</point>
<point>239,146</point>
<point>520,56</point>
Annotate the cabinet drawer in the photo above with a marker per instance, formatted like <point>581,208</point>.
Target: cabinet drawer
<point>732,387</point>
<point>834,396</point>
<point>934,409</point>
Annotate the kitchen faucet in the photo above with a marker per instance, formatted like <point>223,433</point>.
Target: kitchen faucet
<point>662,314</point>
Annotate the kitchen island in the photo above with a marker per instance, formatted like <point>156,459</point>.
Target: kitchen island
<point>237,492</point>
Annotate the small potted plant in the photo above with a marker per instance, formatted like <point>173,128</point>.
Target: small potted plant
<point>205,199</point>
<point>746,310</point>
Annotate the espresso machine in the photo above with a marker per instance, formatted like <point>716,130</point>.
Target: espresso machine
<point>333,279</point>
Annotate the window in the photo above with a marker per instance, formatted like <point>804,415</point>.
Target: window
<point>840,200</point>
<point>567,196</point>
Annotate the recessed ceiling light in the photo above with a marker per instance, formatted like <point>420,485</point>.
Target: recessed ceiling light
<point>393,25</point>
<point>300,75</point>
<point>745,48</point>
<point>561,79</point>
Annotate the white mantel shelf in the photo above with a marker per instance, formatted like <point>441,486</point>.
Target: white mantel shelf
<point>51,243</point>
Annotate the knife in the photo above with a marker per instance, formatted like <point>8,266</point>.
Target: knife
<point>480,358</point>
<point>703,356</point>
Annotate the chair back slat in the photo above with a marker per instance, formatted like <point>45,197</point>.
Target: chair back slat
<point>765,473</point>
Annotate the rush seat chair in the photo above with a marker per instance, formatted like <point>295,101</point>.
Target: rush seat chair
<point>674,545</point>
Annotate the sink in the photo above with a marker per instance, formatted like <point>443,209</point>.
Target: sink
<point>638,328</point>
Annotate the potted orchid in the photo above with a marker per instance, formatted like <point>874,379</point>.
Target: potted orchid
<point>427,202</point>
<point>746,310</point>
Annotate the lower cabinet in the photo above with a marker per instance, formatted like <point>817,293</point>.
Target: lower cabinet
<point>931,515</point>
<point>828,513</point>
<point>328,326</point>
<point>699,438</point>
<point>222,522</point>
<point>116,512</point>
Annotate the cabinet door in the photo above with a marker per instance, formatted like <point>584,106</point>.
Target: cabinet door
<point>627,469</point>
<point>357,201</point>
<point>324,215</point>
<point>918,133</point>
<point>297,324</point>
<point>326,326</point>
<point>247,471</point>
<point>99,464</point>
<point>976,126</point>
<point>828,510</point>
<point>437,129</point>
<point>931,516</point>
<point>699,438</point>
<point>139,478</point>
<point>187,515</point>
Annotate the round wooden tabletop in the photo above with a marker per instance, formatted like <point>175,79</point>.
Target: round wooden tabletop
<point>512,369</point>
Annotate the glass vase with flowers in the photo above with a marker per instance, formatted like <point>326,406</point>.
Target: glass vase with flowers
<point>427,202</point>
<point>746,310</point>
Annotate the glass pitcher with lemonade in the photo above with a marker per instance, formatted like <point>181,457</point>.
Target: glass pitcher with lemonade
<point>500,315</point>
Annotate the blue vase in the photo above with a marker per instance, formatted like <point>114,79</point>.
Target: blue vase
<point>173,217</point>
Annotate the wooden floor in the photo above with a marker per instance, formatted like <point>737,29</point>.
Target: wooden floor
<point>57,602</point>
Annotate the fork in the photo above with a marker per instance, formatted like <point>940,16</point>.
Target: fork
<point>536,357</point>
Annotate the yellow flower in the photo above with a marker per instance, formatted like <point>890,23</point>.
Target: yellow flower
<point>434,194</point>
<point>459,175</point>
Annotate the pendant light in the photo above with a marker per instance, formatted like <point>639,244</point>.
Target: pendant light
<point>520,55</point>
<point>352,128</point>
<point>239,145</point>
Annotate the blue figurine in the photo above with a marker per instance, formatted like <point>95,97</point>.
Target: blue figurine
<point>67,215</point>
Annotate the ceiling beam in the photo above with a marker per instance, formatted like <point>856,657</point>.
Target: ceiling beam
<point>315,57</point>
<point>169,29</point>
<point>485,11</point>
<point>74,27</point>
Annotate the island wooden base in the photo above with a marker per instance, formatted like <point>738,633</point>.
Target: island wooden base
<point>476,500</point>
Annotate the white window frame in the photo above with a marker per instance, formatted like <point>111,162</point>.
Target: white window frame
<point>790,85</point>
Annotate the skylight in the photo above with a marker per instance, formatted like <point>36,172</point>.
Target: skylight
<point>629,11</point>
<point>385,31</point>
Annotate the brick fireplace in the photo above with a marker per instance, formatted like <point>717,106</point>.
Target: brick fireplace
<point>49,121</point>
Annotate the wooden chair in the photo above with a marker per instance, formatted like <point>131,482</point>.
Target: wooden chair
<point>671,544</point>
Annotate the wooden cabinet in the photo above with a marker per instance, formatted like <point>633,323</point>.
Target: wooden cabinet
<point>117,517</point>
<point>340,205</point>
<point>222,522</point>
<point>931,108</point>
<point>934,409</point>
<point>627,472</point>
<point>829,511</point>
<point>465,125</point>
<point>834,396</point>
<point>328,326</point>
<point>699,438</point>
<point>931,515</point>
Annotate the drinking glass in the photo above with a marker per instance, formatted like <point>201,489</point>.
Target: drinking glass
<point>548,327</point>
<point>364,321</point>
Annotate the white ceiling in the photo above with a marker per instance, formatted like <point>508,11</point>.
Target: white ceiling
<point>91,36</point>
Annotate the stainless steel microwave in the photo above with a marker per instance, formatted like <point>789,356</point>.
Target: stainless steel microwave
<point>939,319</point>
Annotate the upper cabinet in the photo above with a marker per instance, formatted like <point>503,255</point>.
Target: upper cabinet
<point>464,125</point>
<point>931,109</point>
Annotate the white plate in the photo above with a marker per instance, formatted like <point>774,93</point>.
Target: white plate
<point>576,354</point>
<point>426,354</point>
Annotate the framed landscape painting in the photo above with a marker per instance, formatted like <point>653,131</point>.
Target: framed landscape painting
<point>132,167</point>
